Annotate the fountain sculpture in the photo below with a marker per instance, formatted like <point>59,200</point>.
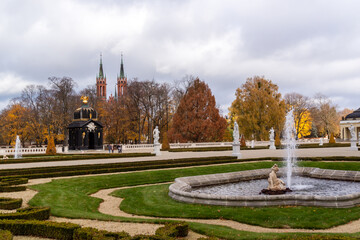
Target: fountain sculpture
<point>17,153</point>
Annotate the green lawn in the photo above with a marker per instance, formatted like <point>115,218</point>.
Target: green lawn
<point>154,201</point>
<point>69,198</point>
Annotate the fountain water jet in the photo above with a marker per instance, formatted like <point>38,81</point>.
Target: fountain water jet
<point>17,147</point>
<point>290,142</point>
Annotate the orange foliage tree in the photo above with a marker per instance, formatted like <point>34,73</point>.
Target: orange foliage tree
<point>197,118</point>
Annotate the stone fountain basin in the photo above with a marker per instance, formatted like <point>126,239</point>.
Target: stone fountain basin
<point>180,190</point>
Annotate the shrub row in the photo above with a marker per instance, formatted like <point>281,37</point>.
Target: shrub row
<point>66,157</point>
<point>94,234</point>
<point>10,184</point>
<point>112,167</point>
<point>62,231</point>
<point>5,235</point>
<point>208,149</point>
<point>174,229</point>
<point>145,165</point>
<point>10,203</point>
<point>37,213</point>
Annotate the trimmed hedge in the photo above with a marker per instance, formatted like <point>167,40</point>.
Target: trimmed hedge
<point>209,149</point>
<point>62,231</point>
<point>145,165</point>
<point>37,213</point>
<point>5,235</point>
<point>10,184</point>
<point>112,167</point>
<point>66,157</point>
<point>10,203</point>
<point>94,234</point>
<point>174,229</point>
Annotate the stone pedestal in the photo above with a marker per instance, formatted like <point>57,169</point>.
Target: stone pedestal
<point>353,145</point>
<point>157,151</point>
<point>236,150</point>
<point>272,144</point>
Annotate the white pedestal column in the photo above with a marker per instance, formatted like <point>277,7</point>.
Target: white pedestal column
<point>272,144</point>
<point>353,145</point>
<point>157,151</point>
<point>236,150</point>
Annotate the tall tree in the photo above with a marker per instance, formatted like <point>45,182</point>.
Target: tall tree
<point>258,107</point>
<point>65,101</point>
<point>301,106</point>
<point>325,116</point>
<point>197,118</point>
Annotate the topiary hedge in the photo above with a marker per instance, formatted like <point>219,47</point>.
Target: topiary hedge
<point>62,231</point>
<point>94,234</point>
<point>174,229</point>
<point>10,203</point>
<point>66,157</point>
<point>5,235</point>
<point>10,184</point>
<point>37,213</point>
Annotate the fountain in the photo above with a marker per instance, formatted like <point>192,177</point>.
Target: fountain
<point>17,147</point>
<point>309,186</point>
<point>290,143</point>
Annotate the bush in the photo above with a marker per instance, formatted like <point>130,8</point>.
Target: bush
<point>10,203</point>
<point>94,234</point>
<point>62,231</point>
<point>50,149</point>
<point>332,139</point>
<point>242,141</point>
<point>174,229</point>
<point>37,213</point>
<point>5,235</point>
<point>277,140</point>
<point>165,143</point>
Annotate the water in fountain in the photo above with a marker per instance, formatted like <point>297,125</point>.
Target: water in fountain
<point>17,148</point>
<point>290,142</point>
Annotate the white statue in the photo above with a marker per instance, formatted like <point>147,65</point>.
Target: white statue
<point>321,142</point>
<point>236,133</point>
<point>272,141</point>
<point>156,135</point>
<point>352,132</point>
<point>271,134</point>
<point>275,184</point>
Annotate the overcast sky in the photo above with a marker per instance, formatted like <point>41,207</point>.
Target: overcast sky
<point>306,46</point>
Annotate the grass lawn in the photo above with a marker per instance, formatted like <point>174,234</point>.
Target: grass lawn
<point>154,201</point>
<point>69,198</point>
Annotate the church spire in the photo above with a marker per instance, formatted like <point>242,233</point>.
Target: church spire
<point>101,72</point>
<point>122,75</point>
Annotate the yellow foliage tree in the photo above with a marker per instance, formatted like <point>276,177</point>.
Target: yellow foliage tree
<point>50,149</point>
<point>303,125</point>
<point>258,107</point>
<point>332,138</point>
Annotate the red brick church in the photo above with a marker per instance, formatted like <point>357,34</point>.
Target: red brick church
<point>121,83</point>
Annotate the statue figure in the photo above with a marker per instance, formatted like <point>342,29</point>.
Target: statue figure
<point>275,184</point>
<point>156,135</point>
<point>236,133</point>
<point>271,134</point>
<point>352,132</point>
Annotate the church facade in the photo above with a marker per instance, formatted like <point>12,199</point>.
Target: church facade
<point>120,87</point>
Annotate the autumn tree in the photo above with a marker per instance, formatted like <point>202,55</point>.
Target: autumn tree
<point>197,118</point>
<point>65,102</point>
<point>258,107</point>
<point>301,106</point>
<point>325,116</point>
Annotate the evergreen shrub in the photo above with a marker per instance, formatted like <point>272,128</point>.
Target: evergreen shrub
<point>10,203</point>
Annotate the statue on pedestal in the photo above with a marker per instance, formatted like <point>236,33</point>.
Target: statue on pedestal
<point>276,185</point>
<point>156,135</point>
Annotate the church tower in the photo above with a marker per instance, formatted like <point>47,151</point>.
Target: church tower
<point>101,82</point>
<point>121,81</point>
